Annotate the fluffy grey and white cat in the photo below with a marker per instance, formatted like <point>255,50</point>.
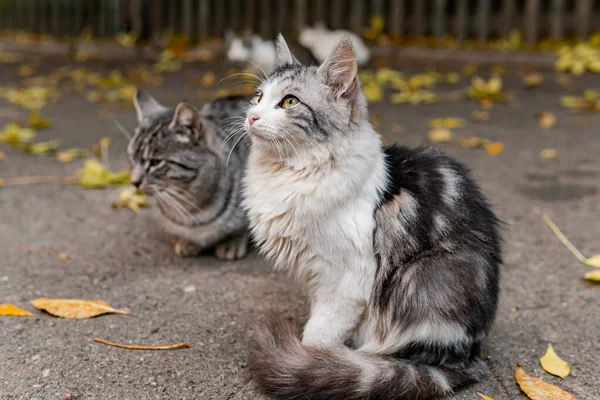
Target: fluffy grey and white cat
<point>396,248</point>
<point>182,158</point>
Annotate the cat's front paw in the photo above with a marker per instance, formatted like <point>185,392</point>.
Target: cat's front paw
<point>183,248</point>
<point>232,249</point>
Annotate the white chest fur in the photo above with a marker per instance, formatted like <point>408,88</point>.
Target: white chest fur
<point>314,217</point>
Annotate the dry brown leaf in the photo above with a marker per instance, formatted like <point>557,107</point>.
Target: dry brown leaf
<point>136,347</point>
<point>553,364</point>
<point>537,389</point>
<point>10,310</point>
<point>440,135</point>
<point>593,275</point>
<point>494,148</point>
<point>63,256</point>
<point>484,397</point>
<point>546,120</point>
<point>72,308</point>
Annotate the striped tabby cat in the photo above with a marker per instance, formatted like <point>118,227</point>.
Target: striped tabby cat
<point>182,158</point>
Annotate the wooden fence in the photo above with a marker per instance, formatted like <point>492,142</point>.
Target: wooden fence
<point>202,19</point>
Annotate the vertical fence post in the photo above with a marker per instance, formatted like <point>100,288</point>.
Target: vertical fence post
<point>187,18</point>
<point>356,19</point>
<point>235,13</point>
<point>583,12</point>
<point>319,11</point>
<point>439,18</point>
<point>265,17</point>
<point>397,18</point>
<point>532,11</point>
<point>282,11</point>
<point>418,18</point>
<point>335,14</point>
<point>461,21</point>
<point>508,14</point>
<point>250,11</point>
<point>157,20</point>
<point>483,20</point>
<point>203,19</point>
<point>300,11</point>
<point>55,16</point>
<point>556,19</point>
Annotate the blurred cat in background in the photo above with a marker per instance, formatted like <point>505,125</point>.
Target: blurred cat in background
<point>254,50</point>
<point>184,158</point>
<point>321,42</point>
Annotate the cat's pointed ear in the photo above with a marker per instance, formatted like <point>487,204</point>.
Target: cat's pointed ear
<point>187,115</point>
<point>146,106</point>
<point>340,68</point>
<point>284,55</point>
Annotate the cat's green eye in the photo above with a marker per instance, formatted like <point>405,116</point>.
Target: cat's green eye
<point>290,101</point>
<point>154,163</point>
<point>258,94</point>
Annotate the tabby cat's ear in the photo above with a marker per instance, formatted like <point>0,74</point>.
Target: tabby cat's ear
<point>147,106</point>
<point>284,55</point>
<point>340,68</point>
<point>187,115</point>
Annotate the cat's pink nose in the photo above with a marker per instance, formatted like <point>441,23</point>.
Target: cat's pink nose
<point>252,119</point>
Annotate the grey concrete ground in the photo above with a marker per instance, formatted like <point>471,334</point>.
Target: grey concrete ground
<point>125,259</point>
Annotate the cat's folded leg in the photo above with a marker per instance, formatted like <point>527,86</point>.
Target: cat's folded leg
<point>334,317</point>
<point>233,248</point>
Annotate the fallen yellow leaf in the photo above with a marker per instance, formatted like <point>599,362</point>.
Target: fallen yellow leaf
<point>440,135</point>
<point>494,148</point>
<point>34,121</point>
<point>127,39</point>
<point>469,70</point>
<point>69,155</point>
<point>63,256</point>
<point>94,174</point>
<point>593,261</point>
<point>480,116</point>
<point>373,92</point>
<point>537,389</point>
<point>71,308</point>
<point>533,80</point>
<point>15,135</point>
<point>449,123</point>
<point>548,154</point>
<point>472,142</point>
<point>25,70</point>
<point>553,364</point>
<point>208,79</point>
<point>41,148</point>
<point>484,397</point>
<point>10,310</point>
<point>546,120</point>
<point>132,198</point>
<point>593,275</point>
<point>137,347</point>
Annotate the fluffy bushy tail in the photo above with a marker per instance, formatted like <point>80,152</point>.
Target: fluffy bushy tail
<point>286,369</point>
